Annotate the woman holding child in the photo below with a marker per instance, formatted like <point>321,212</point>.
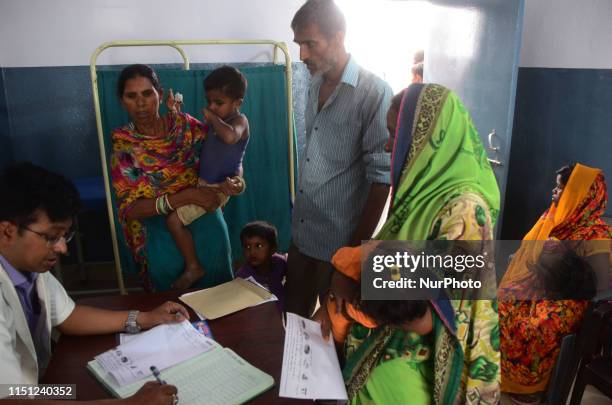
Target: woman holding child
<point>442,351</point>
<point>154,171</point>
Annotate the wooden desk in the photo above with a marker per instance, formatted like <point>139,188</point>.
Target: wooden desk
<point>255,334</point>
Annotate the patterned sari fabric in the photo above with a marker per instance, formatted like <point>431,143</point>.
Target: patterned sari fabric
<point>443,188</point>
<point>147,167</point>
<point>585,223</point>
<point>445,160</point>
<point>532,330</point>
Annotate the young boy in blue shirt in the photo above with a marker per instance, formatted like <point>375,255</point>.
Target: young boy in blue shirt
<point>220,159</point>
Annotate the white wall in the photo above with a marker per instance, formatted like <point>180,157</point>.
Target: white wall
<point>66,32</point>
<point>557,33</point>
<point>567,34</point>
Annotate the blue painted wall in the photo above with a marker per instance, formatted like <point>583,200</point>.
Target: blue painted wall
<point>47,117</point>
<point>561,116</point>
<point>485,76</point>
<point>6,148</point>
<point>52,119</point>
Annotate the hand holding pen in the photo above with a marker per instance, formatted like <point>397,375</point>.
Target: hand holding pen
<point>157,376</point>
<point>153,393</point>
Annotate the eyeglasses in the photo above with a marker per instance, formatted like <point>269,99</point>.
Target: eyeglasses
<point>52,241</point>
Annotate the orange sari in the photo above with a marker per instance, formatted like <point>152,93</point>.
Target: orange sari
<point>531,330</point>
<point>577,216</point>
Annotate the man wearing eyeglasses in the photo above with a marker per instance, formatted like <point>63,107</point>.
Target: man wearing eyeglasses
<point>36,211</point>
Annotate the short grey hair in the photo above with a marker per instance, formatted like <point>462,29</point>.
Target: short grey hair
<point>324,13</point>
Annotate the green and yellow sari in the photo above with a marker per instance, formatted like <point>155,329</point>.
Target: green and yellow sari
<point>443,188</point>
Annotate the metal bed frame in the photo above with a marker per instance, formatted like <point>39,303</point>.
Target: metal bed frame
<point>177,46</point>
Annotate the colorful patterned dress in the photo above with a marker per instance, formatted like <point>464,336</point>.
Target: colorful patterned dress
<point>144,166</point>
<point>443,188</point>
<point>532,330</point>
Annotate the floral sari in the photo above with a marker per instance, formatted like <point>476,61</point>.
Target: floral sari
<point>443,188</point>
<point>532,330</point>
<point>148,167</point>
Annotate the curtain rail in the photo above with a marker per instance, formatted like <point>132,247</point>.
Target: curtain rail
<point>177,46</point>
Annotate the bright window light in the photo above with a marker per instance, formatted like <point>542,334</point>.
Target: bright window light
<point>383,36</point>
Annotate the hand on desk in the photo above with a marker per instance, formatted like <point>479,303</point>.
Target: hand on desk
<point>153,393</point>
<point>86,320</point>
<point>168,312</point>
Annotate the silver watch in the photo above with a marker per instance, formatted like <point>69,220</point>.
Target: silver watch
<point>131,326</point>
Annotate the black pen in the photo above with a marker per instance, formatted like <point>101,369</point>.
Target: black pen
<point>157,375</point>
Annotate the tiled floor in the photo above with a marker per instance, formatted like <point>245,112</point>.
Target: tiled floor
<point>594,397</point>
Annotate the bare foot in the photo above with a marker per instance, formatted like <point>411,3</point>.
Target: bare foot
<point>189,277</point>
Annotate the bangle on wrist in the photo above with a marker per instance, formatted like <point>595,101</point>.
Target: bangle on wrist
<point>157,207</point>
<point>167,200</point>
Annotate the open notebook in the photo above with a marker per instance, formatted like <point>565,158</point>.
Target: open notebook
<point>218,376</point>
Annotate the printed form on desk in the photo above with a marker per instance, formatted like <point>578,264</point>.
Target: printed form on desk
<point>163,347</point>
<point>310,364</point>
<point>216,377</point>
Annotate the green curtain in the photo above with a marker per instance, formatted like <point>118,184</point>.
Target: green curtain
<point>266,162</point>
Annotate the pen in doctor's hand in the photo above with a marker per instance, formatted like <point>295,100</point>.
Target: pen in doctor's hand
<point>157,375</point>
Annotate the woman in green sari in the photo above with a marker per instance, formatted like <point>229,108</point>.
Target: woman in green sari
<point>443,351</point>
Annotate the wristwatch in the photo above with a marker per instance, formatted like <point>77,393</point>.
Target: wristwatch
<point>131,326</point>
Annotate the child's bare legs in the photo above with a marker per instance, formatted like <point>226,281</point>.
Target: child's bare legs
<point>184,241</point>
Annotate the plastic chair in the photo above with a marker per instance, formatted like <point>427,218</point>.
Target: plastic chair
<point>564,371</point>
<point>566,367</point>
<point>596,360</point>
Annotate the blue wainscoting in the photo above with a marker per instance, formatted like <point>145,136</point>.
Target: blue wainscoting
<point>52,119</point>
<point>561,116</point>
<point>47,117</point>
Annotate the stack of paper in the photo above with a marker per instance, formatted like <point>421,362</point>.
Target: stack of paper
<point>202,370</point>
<point>227,298</point>
<point>200,326</point>
<point>218,376</point>
<point>162,347</point>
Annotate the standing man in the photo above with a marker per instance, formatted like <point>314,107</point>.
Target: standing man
<point>36,211</point>
<point>417,66</point>
<point>344,171</point>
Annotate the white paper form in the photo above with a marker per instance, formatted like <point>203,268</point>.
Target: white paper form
<point>218,377</point>
<point>310,364</point>
<point>162,347</point>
